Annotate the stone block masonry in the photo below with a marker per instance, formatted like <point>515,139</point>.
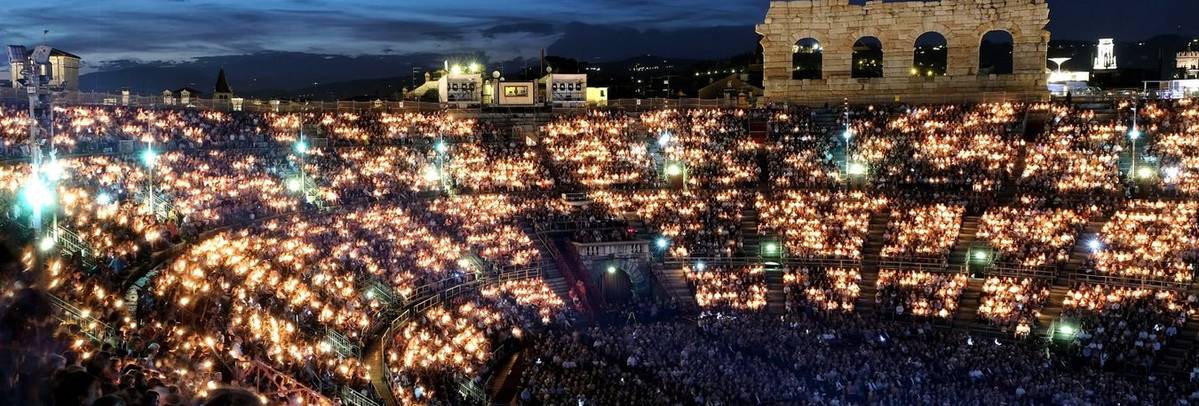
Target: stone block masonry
<point>837,25</point>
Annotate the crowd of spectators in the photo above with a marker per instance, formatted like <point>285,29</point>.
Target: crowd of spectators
<point>1150,240</point>
<point>1122,326</point>
<point>290,295</point>
<point>922,231</point>
<point>822,288</point>
<point>815,358</point>
<point>960,147</point>
<point>903,294</point>
<point>728,286</point>
<point>1013,303</point>
<point>818,224</point>
<point>1029,236</point>
<point>1078,154</point>
<point>695,223</point>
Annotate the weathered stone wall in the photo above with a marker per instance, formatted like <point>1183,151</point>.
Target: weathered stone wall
<point>837,25</point>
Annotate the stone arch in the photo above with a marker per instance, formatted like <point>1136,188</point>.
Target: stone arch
<point>930,54</point>
<point>867,60</point>
<point>807,59</point>
<point>996,52</point>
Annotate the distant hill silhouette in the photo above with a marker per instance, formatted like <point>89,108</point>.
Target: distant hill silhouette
<point>252,73</point>
<point>595,43</point>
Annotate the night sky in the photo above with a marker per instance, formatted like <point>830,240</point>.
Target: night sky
<point>150,30</point>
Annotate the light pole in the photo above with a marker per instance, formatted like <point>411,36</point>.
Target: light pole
<point>150,159</point>
<point>1133,135</point>
<point>848,134</point>
<point>441,149</point>
<point>302,152</point>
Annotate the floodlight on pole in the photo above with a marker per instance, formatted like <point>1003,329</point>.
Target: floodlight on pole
<point>1145,172</point>
<point>857,169</point>
<point>1133,135</point>
<point>674,169</point>
<point>37,195</point>
<point>301,147</point>
<point>46,243</point>
<point>662,243</point>
<point>53,169</point>
<point>149,157</point>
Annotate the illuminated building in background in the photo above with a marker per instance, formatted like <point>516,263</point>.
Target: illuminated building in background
<point>597,96</point>
<point>1187,63</point>
<point>460,89</point>
<point>1105,59</point>
<point>564,90</point>
<point>65,67</point>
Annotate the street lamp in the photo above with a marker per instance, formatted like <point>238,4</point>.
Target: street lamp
<point>676,169</point>
<point>1145,172</point>
<point>150,159</point>
<point>301,149</point>
<point>1133,135</point>
<point>847,135</point>
<point>857,169</point>
<point>441,149</point>
<point>37,196</point>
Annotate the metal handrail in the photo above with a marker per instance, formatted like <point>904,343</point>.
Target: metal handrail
<point>428,298</point>
<point>351,397</point>
<point>1131,282</point>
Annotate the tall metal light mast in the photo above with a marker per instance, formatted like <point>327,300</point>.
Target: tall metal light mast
<point>35,76</point>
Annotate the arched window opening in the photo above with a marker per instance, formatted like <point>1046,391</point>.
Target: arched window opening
<point>867,58</point>
<point>807,59</point>
<point>995,53</point>
<point>930,57</point>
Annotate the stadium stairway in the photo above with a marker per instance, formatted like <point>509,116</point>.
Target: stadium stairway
<point>674,279</point>
<point>750,240</point>
<point>871,248</point>
<point>1053,308</point>
<point>1177,355</point>
<point>553,278</point>
<point>506,382</point>
<point>1081,252</point>
<point>374,359</point>
<point>1031,129</point>
<point>967,312</point>
<point>866,305</point>
<point>828,119</point>
<point>873,245</point>
<point>776,301</point>
<point>966,233</point>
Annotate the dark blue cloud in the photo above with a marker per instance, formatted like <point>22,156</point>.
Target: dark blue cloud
<point>148,30</point>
